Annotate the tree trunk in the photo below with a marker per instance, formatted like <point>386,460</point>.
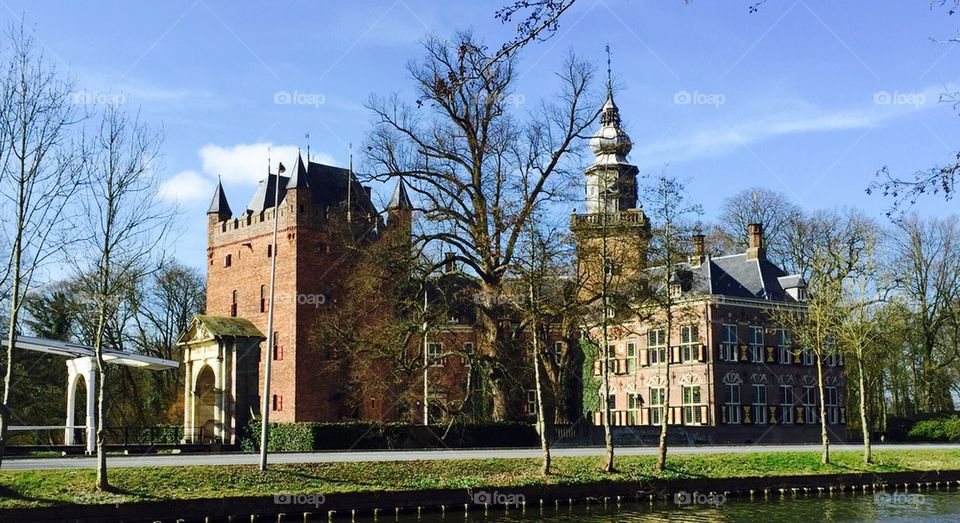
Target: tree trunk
<point>607,431</point>
<point>5,413</point>
<point>541,421</point>
<point>662,449</point>
<point>825,438</point>
<point>492,336</point>
<point>101,414</point>
<point>863,411</point>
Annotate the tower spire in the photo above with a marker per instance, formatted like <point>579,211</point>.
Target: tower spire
<point>609,74</point>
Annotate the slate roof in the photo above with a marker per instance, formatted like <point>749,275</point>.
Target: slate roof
<point>737,276</point>
<point>219,204</point>
<point>327,184</point>
<point>400,200</point>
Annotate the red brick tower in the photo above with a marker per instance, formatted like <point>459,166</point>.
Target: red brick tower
<point>311,257</point>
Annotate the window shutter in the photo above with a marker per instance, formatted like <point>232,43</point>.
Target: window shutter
<point>743,353</point>
<point>644,357</point>
<point>723,414</point>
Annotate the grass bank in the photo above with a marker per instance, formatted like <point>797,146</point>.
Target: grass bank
<point>45,488</point>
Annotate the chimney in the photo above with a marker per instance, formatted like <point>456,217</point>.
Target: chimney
<point>698,249</point>
<point>756,249</point>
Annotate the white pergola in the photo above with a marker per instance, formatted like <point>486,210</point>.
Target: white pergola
<point>81,363</point>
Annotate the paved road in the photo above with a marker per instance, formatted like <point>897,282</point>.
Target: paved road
<point>171,460</point>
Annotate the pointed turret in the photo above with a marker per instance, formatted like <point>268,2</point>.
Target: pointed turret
<point>399,210</point>
<point>298,177</point>
<point>219,207</point>
<point>400,200</point>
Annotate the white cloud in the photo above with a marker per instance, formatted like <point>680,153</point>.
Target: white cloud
<point>724,137</point>
<point>247,163</point>
<point>186,186</point>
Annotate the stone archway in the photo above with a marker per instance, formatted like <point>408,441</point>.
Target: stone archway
<point>205,411</point>
<point>76,394</point>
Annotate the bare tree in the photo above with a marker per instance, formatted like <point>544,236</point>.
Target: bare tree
<point>38,179</point>
<point>125,227</point>
<point>671,217</point>
<point>756,205</point>
<point>835,253</point>
<point>458,147</point>
<point>861,327</point>
<point>925,266</point>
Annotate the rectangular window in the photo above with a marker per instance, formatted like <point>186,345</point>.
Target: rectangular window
<point>832,405</point>
<point>277,348</point>
<point>809,405</point>
<point>612,402</point>
<point>277,402</point>
<point>263,298</point>
<point>728,349</point>
<point>732,400</point>
<point>270,251</point>
<point>435,354</point>
<point>632,416</point>
<point>558,348</point>
<point>468,352</point>
<point>756,344</point>
<point>227,261</point>
<point>233,304</point>
<point>657,346</point>
<point>760,404</point>
<point>783,345</point>
<point>786,404</point>
<point>691,405</point>
<point>532,402</point>
<point>808,357</point>
<point>657,396</point>
<point>689,342</point>
<point>631,358</point>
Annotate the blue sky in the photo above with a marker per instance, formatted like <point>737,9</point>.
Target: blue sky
<point>807,97</point>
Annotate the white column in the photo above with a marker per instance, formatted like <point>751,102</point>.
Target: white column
<point>68,433</point>
<point>91,379</point>
<point>187,397</point>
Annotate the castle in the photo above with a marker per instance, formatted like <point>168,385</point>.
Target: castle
<point>733,368</point>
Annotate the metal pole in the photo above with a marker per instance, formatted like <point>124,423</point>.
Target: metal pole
<point>265,409</point>
<point>426,363</point>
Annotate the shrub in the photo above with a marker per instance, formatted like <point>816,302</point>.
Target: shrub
<point>293,437</point>
<point>939,429</point>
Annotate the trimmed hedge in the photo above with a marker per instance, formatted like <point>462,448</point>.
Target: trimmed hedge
<point>940,429</point>
<point>293,437</point>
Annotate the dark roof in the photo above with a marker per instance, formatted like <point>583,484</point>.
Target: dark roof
<point>219,204</point>
<point>736,276</point>
<point>328,188</point>
<point>220,326</point>
<point>400,200</point>
<point>298,177</point>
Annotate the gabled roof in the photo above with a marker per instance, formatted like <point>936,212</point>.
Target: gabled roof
<point>219,204</point>
<point>219,327</point>
<point>400,200</point>
<point>328,188</point>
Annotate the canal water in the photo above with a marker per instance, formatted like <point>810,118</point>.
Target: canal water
<point>879,507</point>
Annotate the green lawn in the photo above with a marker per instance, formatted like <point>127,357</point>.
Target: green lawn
<point>57,487</point>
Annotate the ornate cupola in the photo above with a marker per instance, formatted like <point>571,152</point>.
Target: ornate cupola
<point>611,179</point>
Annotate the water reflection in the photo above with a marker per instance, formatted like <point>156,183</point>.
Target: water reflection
<point>879,507</point>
